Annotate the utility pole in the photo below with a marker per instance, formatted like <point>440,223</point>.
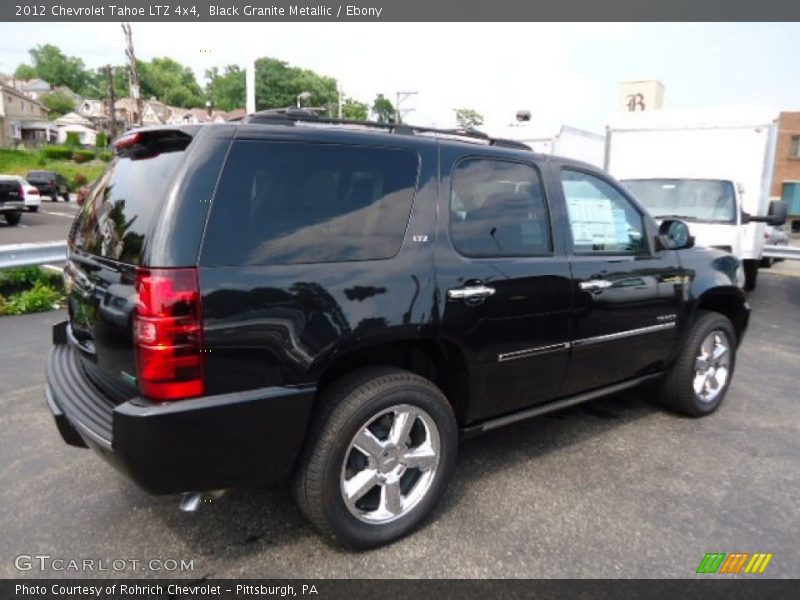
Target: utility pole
<point>133,73</point>
<point>111,101</point>
<point>401,97</point>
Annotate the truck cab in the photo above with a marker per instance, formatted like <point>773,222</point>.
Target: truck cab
<point>712,170</point>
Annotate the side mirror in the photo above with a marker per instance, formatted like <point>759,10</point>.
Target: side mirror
<point>674,235</point>
<point>778,209</point>
<point>776,214</point>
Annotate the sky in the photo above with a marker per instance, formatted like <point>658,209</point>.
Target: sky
<point>562,73</point>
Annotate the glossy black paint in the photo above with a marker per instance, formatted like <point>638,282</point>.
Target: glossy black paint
<point>269,328</point>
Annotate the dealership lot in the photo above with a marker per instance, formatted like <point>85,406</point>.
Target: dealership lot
<point>614,488</point>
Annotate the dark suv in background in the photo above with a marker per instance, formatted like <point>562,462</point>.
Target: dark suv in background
<point>337,303</point>
<point>49,183</point>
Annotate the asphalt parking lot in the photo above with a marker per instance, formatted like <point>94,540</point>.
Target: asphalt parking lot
<point>49,224</point>
<point>613,488</point>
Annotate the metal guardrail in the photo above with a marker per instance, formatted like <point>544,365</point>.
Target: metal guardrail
<point>787,252</point>
<point>26,255</point>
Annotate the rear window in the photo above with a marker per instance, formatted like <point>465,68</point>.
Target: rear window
<point>41,175</point>
<point>121,209</point>
<point>290,203</point>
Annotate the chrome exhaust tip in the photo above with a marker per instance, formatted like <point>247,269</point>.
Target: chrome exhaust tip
<point>191,501</point>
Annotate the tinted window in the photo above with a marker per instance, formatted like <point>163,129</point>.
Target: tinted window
<point>601,218</point>
<point>288,203</point>
<point>118,215</point>
<point>497,208</point>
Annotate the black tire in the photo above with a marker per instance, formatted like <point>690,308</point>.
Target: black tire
<point>750,274</point>
<point>66,197</point>
<point>12,218</point>
<point>677,391</point>
<point>33,208</point>
<point>346,408</point>
<point>767,262</point>
<point>53,197</point>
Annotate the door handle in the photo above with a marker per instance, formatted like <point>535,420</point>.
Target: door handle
<point>595,284</point>
<point>470,292</point>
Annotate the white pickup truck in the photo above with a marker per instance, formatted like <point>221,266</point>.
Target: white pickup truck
<point>711,169</point>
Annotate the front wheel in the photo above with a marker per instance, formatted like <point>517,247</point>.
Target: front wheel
<point>381,451</point>
<point>698,380</point>
<point>750,274</point>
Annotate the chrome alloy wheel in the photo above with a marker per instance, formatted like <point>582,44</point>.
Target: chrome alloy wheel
<point>711,367</point>
<point>390,464</point>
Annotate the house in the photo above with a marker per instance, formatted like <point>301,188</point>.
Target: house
<point>237,114</point>
<point>33,88</point>
<point>127,110</point>
<point>22,119</point>
<point>195,116</point>
<point>92,109</point>
<point>75,123</point>
<point>154,112</point>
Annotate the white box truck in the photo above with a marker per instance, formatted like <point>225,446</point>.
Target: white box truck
<point>711,168</point>
<point>561,140</point>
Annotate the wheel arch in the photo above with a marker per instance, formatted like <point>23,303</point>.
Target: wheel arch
<point>728,301</point>
<point>440,361</point>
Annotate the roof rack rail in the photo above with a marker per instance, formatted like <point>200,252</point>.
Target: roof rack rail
<point>290,116</point>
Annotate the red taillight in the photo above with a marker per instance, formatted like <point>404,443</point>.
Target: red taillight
<point>33,192</point>
<point>168,334</point>
<point>128,140</point>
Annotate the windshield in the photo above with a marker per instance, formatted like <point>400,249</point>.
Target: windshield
<point>693,199</point>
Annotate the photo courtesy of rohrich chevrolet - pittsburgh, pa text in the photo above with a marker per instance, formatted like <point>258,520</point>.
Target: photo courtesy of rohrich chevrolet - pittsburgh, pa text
<point>399,300</point>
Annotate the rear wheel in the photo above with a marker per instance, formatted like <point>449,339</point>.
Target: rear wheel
<point>698,380</point>
<point>12,218</point>
<point>767,262</point>
<point>382,449</point>
<point>33,208</point>
<point>750,274</point>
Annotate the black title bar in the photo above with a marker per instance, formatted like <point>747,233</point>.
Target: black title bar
<point>399,10</point>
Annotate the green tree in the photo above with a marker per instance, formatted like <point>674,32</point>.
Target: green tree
<point>97,83</point>
<point>25,72</point>
<point>278,85</point>
<point>170,82</point>
<point>353,109</point>
<point>59,104</point>
<point>54,67</point>
<point>226,90</point>
<point>383,109</point>
<point>468,118</point>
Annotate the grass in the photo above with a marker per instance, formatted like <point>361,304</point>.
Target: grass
<point>28,290</point>
<point>19,162</point>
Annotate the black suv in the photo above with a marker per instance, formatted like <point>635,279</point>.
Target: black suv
<point>49,183</point>
<point>337,303</point>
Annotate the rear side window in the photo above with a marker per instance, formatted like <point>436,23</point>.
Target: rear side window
<point>290,203</point>
<point>122,208</point>
<point>497,208</point>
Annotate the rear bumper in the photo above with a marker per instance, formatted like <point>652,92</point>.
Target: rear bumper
<point>11,206</point>
<point>206,443</point>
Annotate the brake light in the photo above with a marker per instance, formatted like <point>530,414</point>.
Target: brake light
<point>168,334</point>
<point>33,192</point>
<point>128,140</point>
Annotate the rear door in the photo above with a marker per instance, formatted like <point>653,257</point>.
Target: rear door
<point>627,293</point>
<point>504,281</point>
<point>107,243</point>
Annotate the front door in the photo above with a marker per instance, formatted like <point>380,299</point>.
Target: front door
<point>627,293</point>
<point>504,283</point>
